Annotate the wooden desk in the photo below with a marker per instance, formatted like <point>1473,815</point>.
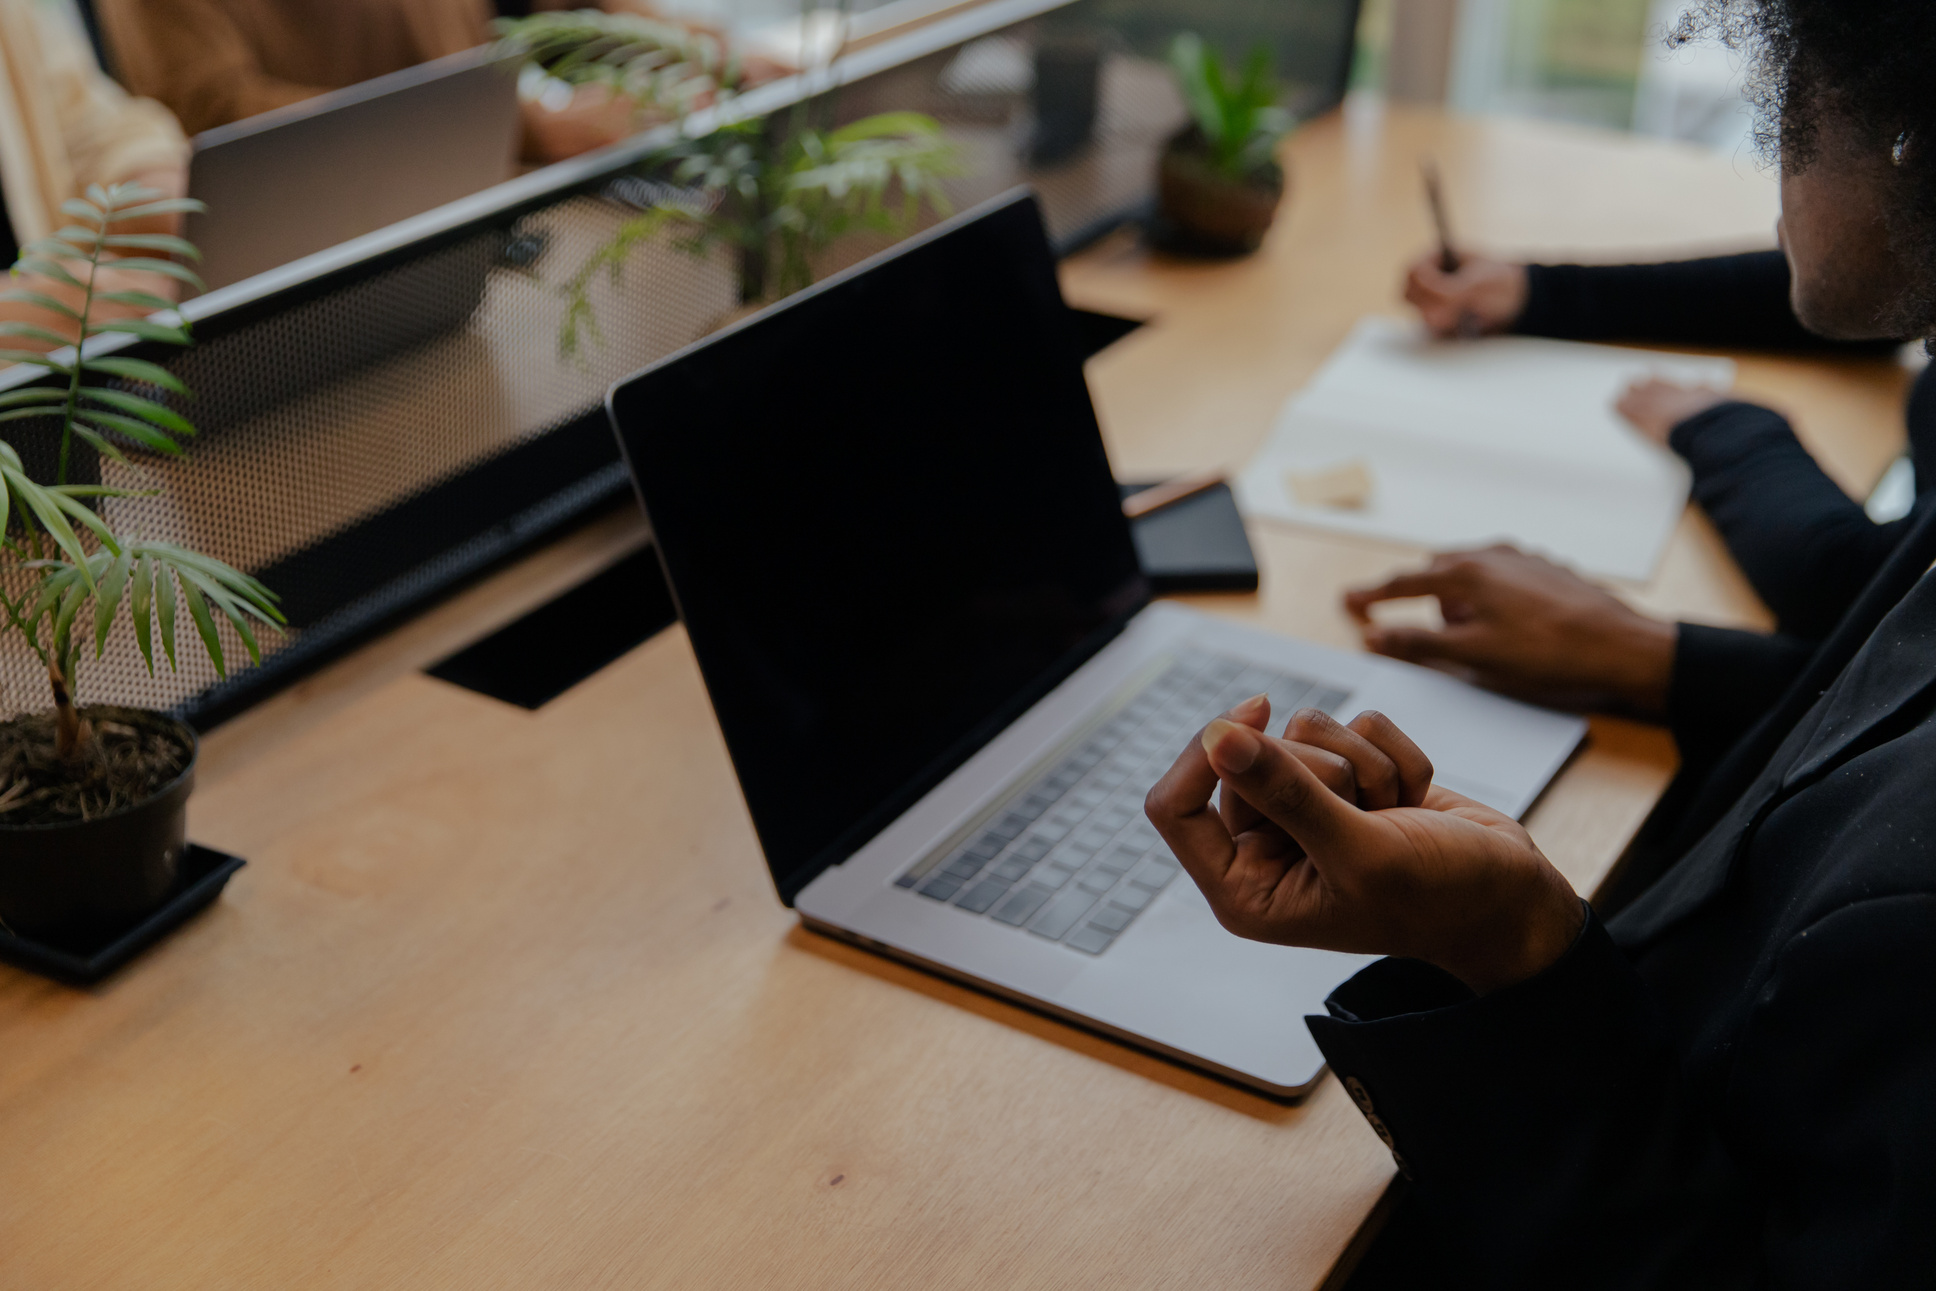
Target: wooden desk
<point>504,999</point>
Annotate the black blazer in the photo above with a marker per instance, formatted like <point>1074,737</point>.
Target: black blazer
<point>1806,547</point>
<point>1732,1083</point>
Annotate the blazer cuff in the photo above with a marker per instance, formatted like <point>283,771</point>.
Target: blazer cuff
<point>1725,680</point>
<point>1719,437</point>
<point>1446,1077</point>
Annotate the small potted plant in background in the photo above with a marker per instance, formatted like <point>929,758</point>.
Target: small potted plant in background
<point>1218,180</point>
<point>775,194</point>
<point>93,798</point>
<point>776,201</point>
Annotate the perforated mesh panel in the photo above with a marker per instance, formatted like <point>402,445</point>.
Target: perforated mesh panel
<point>347,440</point>
<point>375,437</point>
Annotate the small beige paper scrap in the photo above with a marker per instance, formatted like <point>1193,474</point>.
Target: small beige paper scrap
<point>1344,487</point>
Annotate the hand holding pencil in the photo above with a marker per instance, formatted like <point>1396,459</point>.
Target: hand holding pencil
<point>1456,292</point>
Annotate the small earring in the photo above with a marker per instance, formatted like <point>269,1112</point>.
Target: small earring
<point>1900,148</point>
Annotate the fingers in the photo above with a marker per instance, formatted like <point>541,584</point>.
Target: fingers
<point>1425,582</point>
<point>1179,804</point>
<point>1458,643</point>
<point>1436,295</point>
<point>1389,770</point>
<point>1238,816</point>
<point>1274,780</point>
<point>1414,768</point>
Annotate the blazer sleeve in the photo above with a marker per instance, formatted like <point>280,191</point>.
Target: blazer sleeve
<point>1724,681</point>
<point>1735,301</point>
<point>1806,546</point>
<point>1550,1128</point>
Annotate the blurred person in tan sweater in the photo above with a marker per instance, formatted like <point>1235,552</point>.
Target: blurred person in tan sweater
<point>63,126</point>
<point>216,61</point>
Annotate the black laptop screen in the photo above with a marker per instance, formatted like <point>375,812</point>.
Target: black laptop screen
<point>887,517</point>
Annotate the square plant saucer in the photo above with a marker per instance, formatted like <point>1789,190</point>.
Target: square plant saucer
<point>83,962</point>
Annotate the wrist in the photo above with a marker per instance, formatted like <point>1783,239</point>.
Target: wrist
<point>1546,924</point>
<point>1643,655</point>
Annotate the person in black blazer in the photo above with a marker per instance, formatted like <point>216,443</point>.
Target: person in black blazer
<point>1728,1082</point>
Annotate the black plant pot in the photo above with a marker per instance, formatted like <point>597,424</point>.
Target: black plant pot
<point>85,877</point>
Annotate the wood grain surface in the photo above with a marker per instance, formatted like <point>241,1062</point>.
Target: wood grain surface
<point>504,999</point>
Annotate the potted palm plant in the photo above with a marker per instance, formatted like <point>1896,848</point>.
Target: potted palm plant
<point>1218,180</point>
<point>93,797</point>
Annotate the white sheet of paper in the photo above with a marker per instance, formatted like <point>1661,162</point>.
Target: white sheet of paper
<point>1510,438</point>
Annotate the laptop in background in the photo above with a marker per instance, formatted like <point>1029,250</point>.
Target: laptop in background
<point>288,183</point>
<point>886,514</point>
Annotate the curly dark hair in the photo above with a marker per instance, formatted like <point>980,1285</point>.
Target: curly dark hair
<point>1869,66</point>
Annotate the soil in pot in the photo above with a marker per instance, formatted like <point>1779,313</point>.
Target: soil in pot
<point>136,753</point>
<point>95,850</point>
<point>1205,210</point>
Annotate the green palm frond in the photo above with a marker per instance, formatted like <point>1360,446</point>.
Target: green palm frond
<point>650,62</point>
<point>87,575</point>
<point>144,578</point>
<point>777,202</point>
<point>1238,116</point>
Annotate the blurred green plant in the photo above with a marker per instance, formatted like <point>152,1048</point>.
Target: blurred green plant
<point>776,199</point>
<point>1237,115</point>
<point>659,64</point>
<point>82,574</point>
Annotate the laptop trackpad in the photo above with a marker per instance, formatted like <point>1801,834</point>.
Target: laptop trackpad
<point>1178,978</point>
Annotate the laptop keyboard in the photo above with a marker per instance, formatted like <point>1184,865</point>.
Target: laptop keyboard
<point>1070,856</point>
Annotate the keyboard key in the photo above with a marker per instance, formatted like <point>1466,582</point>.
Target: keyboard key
<point>985,847</point>
<point>1052,875</point>
<point>1011,868</point>
<point>941,887</point>
<point>907,880</point>
<point>1154,875</point>
<point>1034,847</point>
<point>1054,830</point>
<point>1133,898</point>
<point>1095,881</point>
<point>1008,826</point>
<point>1021,903</point>
<point>963,867</point>
<point>1061,914</point>
<point>1089,939</point>
<point>1111,919</point>
<point>1330,699</point>
<point>984,894</point>
<point>1093,839</point>
<point>1037,803</point>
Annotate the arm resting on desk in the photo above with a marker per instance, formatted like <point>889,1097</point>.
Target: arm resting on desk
<point>1805,545</point>
<point>1549,1130</point>
<point>1724,680</point>
<point>1737,300</point>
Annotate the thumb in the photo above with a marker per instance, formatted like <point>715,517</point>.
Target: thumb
<point>1272,779</point>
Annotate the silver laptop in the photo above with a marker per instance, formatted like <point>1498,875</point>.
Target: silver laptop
<point>306,177</point>
<point>886,514</point>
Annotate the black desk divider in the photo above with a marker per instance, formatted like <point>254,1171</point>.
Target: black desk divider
<point>1096,332</point>
<point>535,659</point>
<point>204,873</point>
<point>385,421</point>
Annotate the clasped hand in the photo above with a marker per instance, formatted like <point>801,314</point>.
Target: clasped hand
<point>1335,837</point>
